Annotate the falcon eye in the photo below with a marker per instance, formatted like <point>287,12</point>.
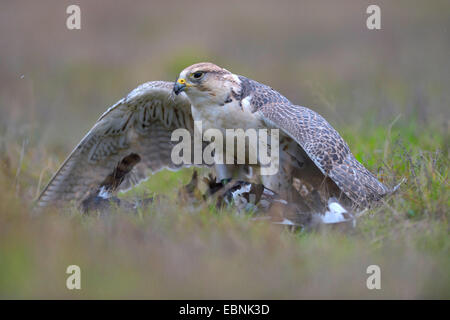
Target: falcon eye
<point>197,75</point>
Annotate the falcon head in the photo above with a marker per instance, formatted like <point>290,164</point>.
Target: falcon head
<point>207,84</point>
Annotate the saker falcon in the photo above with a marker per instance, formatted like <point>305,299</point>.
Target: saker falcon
<point>315,161</point>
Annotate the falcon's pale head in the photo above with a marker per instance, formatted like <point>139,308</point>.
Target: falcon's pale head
<point>206,84</point>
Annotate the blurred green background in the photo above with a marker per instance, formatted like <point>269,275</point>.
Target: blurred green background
<point>387,91</point>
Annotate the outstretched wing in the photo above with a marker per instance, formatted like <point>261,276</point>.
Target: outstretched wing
<point>142,124</point>
<point>321,142</point>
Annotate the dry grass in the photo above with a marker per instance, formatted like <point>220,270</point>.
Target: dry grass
<point>173,251</point>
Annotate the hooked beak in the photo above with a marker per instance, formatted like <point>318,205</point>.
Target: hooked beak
<point>179,86</point>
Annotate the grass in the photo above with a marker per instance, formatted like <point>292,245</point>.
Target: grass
<point>174,251</point>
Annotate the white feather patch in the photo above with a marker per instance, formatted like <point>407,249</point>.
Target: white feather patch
<point>246,104</point>
<point>286,222</point>
<point>104,194</point>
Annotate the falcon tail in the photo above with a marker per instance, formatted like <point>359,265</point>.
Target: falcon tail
<point>358,183</point>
